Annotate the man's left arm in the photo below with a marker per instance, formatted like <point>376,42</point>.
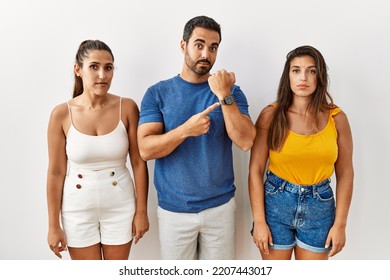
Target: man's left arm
<point>239,126</point>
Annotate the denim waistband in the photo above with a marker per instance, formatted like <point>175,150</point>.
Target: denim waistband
<point>294,188</point>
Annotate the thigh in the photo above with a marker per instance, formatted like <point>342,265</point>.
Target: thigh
<point>116,252</point>
<point>86,253</point>
<point>280,211</point>
<point>218,233</point>
<point>178,233</point>
<point>117,208</point>
<point>277,254</point>
<point>317,219</point>
<point>302,254</point>
<point>79,212</point>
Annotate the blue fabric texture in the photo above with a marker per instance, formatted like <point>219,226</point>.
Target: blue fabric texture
<point>198,174</point>
<point>300,215</point>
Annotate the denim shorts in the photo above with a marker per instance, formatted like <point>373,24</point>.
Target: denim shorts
<point>299,215</point>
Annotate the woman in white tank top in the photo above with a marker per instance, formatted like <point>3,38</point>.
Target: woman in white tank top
<point>95,209</point>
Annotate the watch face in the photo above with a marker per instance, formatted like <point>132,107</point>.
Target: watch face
<point>229,99</point>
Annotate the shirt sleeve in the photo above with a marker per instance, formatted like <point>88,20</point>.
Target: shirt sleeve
<point>241,100</point>
<point>150,108</point>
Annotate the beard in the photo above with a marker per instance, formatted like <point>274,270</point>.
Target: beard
<point>201,67</point>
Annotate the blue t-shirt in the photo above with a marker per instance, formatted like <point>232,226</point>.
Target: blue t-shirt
<point>198,174</point>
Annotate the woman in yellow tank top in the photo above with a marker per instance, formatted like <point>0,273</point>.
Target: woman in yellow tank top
<point>302,139</point>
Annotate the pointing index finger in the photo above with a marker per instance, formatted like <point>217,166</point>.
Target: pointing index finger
<point>209,109</point>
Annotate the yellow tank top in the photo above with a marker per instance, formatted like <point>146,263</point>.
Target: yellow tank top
<point>307,159</point>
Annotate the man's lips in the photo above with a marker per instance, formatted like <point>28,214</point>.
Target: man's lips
<point>204,62</point>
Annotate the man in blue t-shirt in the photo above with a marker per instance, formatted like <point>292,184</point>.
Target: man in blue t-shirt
<point>188,123</point>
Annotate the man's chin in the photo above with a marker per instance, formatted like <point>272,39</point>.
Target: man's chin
<point>201,71</point>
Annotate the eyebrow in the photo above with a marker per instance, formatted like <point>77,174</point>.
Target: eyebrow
<point>204,42</point>
<point>94,62</point>
<point>200,40</point>
<point>295,66</point>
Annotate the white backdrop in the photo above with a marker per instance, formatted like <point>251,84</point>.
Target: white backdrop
<point>39,40</point>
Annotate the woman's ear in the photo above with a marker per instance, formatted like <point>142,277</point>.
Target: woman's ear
<point>77,70</point>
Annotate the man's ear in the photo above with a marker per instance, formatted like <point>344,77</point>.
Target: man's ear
<point>183,45</point>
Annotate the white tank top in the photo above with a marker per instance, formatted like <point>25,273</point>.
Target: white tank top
<point>97,152</point>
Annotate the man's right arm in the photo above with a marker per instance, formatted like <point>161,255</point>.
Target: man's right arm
<point>153,143</point>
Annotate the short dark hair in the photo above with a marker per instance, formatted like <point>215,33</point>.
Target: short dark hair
<point>200,21</point>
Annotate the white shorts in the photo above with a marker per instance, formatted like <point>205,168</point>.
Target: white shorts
<point>98,207</point>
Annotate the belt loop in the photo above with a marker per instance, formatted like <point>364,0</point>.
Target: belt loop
<point>267,174</point>
<point>314,191</point>
<point>282,186</point>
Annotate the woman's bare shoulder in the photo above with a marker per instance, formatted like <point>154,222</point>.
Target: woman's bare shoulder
<point>60,111</point>
<point>265,116</point>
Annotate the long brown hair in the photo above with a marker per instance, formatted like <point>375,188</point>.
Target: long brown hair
<point>320,99</point>
<point>83,52</point>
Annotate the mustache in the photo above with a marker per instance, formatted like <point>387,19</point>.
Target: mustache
<point>203,60</point>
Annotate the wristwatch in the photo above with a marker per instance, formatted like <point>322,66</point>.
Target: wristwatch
<point>228,100</point>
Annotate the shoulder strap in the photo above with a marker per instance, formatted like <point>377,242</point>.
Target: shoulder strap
<point>334,111</point>
<point>120,108</point>
<point>70,113</point>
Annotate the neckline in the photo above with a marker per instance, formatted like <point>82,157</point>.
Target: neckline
<point>187,83</point>
<point>102,135</point>
<point>317,133</point>
<point>309,135</point>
